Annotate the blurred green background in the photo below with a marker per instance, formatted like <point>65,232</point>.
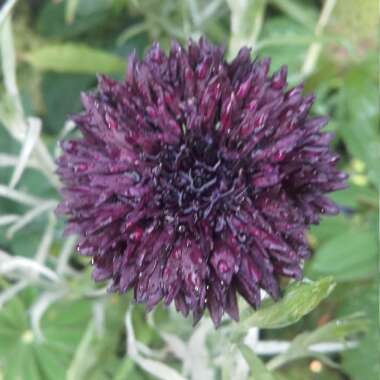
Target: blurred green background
<point>55,323</point>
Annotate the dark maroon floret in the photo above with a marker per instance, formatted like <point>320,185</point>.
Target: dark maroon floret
<point>196,179</point>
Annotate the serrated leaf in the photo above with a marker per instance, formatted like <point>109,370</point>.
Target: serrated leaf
<point>299,299</point>
<point>74,58</point>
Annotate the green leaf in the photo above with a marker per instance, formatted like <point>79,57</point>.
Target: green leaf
<point>359,117</point>
<point>258,369</point>
<point>301,347</point>
<point>24,356</point>
<point>363,362</point>
<point>247,18</point>
<point>338,330</point>
<point>84,357</point>
<point>74,58</point>
<point>299,300</point>
<point>298,11</point>
<point>328,229</point>
<point>95,355</point>
<point>89,15</point>
<point>285,41</point>
<point>348,256</point>
<point>356,197</point>
<point>57,106</point>
<point>126,368</point>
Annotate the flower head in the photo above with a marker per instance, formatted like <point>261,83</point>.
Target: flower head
<point>195,179</point>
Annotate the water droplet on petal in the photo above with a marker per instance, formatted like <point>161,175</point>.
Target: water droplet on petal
<point>223,266</point>
<point>80,167</point>
<point>242,237</point>
<point>136,234</point>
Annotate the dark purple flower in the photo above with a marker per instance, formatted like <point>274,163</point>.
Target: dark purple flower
<point>195,179</point>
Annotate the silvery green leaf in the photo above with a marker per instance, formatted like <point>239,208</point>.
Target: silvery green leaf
<point>70,11</point>
<point>19,196</point>
<point>318,342</point>
<point>30,215</point>
<point>84,356</point>
<point>6,9</point>
<point>153,367</point>
<point>32,135</point>
<point>258,369</point>
<point>246,21</point>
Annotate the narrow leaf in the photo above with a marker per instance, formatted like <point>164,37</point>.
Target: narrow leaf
<point>39,308</point>
<point>159,370</point>
<point>8,57</point>
<point>29,216</point>
<point>8,219</point>
<point>83,357</point>
<point>71,9</point>
<point>302,13</point>
<point>246,21</point>
<point>6,9</point>
<point>32,135</point>
<point>25,268</point>
<point>257,367</point>
<point>75,58</point>
<point>19,196</point>
<point>329,335</point>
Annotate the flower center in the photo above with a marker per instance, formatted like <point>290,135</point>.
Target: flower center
<point>194,181</point>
